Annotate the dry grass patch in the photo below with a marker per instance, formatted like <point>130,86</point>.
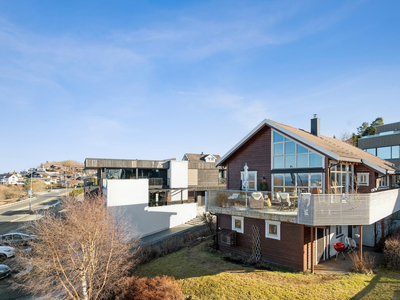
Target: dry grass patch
<point>11,193</point>
<point>203,275</point>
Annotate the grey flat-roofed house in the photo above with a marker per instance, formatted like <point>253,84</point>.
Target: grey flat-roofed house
<point>385,144</point>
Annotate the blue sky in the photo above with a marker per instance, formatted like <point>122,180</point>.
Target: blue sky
<point>155,80</point>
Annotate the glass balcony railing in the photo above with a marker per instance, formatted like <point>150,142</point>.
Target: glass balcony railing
<point>251,200</point>
<point>308,209</point>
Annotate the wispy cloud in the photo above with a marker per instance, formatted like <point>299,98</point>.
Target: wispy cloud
<point>45,55</point>
<point>238,29</point>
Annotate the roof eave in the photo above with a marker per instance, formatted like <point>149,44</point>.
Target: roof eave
<point>283,130</point>
<point>348,159</point>
<point>240,143</point>
<point>373,166</point>
<point>304,141</point>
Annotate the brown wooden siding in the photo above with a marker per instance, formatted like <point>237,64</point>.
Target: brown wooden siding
<point>287,252</point>
<point>257,154</point>
<point>307,248</point>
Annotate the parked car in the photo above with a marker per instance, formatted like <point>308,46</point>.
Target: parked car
<point>16,238</point>
<point>6,252</point>
<point>4,271</point>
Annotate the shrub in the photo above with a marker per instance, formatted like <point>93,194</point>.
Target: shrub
<point>391,251</point>
<point>76,192</point>
<point>147,253</point>
<point>365,266</point>
<point>157,288</point>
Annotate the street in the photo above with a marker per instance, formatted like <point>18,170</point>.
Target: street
<point>13,218</point>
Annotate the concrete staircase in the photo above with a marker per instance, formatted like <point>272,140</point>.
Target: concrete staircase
<point>197,221</point>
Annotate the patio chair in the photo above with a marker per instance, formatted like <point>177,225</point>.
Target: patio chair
<point>257,200</point>
<point>351,244</point>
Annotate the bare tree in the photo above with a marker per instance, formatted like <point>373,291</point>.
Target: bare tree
<point>346,136</point>
<point>80,254</point>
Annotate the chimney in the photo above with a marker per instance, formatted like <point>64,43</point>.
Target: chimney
<point>315,126</point>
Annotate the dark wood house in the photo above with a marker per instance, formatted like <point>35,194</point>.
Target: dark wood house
<point>292,194</point>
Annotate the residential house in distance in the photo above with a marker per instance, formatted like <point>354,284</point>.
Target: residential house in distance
<point>41,168</point>
<point>77,168</point>
<point>204,175</point>
<point>384,144</point>
<point>319,190</point>
<point>9,179</point>
<point>24,172</point>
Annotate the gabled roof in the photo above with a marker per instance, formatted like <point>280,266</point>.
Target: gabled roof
<point>8,175</point>
<point>200,157</point>
<point>333,148</point>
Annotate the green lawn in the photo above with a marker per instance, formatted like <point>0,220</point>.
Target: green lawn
<point>204,275</point>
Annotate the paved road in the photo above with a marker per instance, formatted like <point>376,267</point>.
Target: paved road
<point>14,216</point>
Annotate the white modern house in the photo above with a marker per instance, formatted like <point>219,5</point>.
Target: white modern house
<point>151,195</point>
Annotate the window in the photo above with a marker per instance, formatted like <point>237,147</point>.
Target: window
<point>252,181</point>
<point>396,215</point>
<point>395,152</point>
<point>390,152</point>
<point>384,152</point>
<point>238,224</point>
<point>273,230</point>
<point>341,179</point>
<point>383,182</point>
<point>371,150</point>
<point>396,181</point>
<point>363,179</point>
<point>339,231</point>
<point>210,159</point>
<point>288,154</point>
<point>297,182</point>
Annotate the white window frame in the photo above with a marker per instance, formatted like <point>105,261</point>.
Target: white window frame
<point>241,229</point>
<point>359,176</point>
<point>255,180</point>
<point>273,236</point>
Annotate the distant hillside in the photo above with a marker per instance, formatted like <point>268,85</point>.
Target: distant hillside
<point>65,163</point>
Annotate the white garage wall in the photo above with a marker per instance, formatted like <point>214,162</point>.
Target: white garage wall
<point>178,178</point>
<point>129,198</point>
<point>127,192</point>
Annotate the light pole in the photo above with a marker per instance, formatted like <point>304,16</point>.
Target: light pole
<point>30,194</point>
<point>66,182</point>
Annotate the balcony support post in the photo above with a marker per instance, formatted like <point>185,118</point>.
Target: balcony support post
<point>312,250</point>
<point>360,244</point>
